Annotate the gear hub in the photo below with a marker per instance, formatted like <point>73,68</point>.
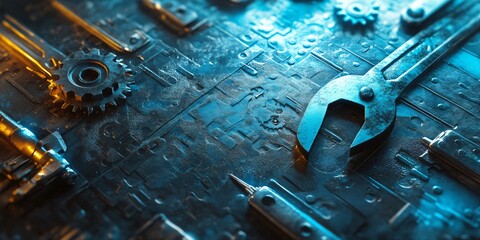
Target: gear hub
<point>90,81</point>
<point>357,12</point>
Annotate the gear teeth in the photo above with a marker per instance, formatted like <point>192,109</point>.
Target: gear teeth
<point>65,106</point>
<point>107,91</point>
<point>70,95</point>
<point>111,57</point>
<point>357,12</point>
<point>95,51</point>
<point>113,86</point>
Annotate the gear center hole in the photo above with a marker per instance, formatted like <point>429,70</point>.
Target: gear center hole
<point>89,75</point>
<point>357,10</point>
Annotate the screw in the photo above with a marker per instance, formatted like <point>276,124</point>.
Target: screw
<point>70,176</point>
<point>135,38</point>
<point>366,93</point>
<point>416,12</point>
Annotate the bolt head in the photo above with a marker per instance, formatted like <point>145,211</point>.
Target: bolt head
<point>416,12</point>
<point>70,176</point>
<point>366,93</point>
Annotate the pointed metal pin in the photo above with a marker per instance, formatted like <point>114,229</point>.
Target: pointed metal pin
<point>249,188</point>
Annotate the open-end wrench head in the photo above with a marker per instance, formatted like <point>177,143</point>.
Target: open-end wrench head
<point>345,88</point>
<point>368,91</point>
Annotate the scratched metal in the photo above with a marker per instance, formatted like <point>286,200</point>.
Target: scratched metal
<point>228,98</point>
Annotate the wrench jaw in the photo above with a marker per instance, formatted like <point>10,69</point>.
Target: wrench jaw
<point>375,130</point>
<point>336,91</point>
<point>310,127</point>
<point>368,92</point>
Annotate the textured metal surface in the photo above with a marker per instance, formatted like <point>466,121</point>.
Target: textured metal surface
<point>226,95</point>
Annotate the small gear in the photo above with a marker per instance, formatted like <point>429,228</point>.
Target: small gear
<point>269,115</point>
<point>274,123</point>
<point>89,81</point>
<point>357,11</point>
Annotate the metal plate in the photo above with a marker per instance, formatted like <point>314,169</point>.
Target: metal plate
<point>228,98</point>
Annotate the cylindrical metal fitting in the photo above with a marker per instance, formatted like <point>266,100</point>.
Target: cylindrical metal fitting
<point>20,137</point>
<point>28,144</point>
<point>7,125</point>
